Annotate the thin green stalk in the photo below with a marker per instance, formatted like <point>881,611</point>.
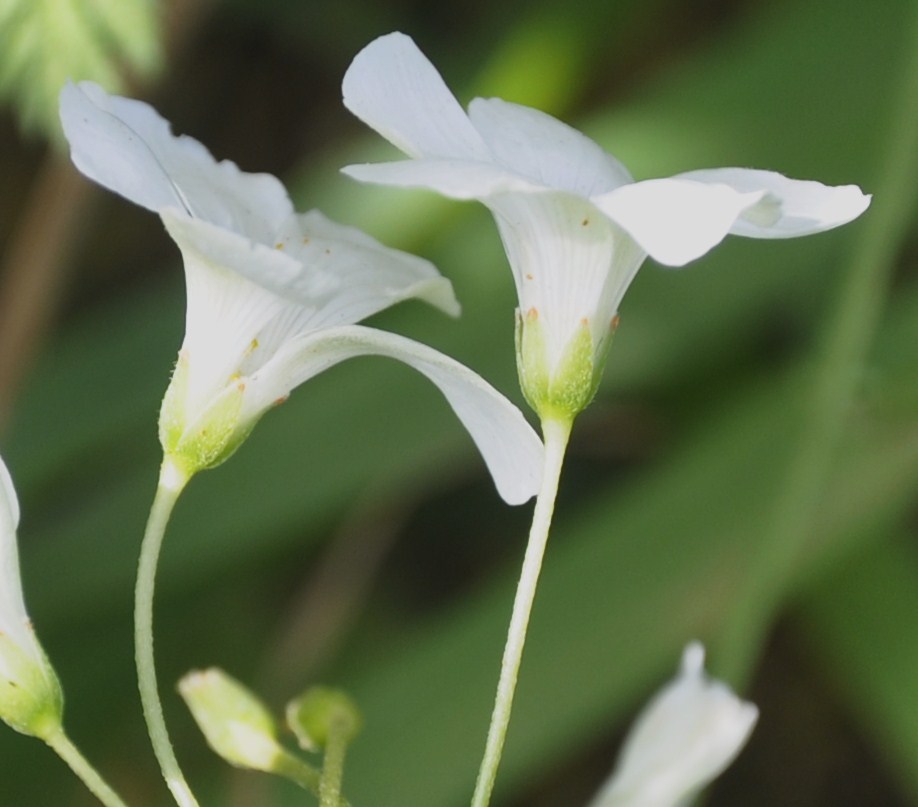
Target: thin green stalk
<point>171,483</point>
<point>333,766</point>
<point>304,775</point>
<point>843,352</point>
<point>556,434</point>
<point>90,777</point>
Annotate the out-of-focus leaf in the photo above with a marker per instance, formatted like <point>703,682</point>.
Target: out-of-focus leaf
<point>43,43</point>
<point>860,624</point>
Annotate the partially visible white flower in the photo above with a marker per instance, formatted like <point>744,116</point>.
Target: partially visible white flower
<point>30,696</point>
<point>691,730</point>
<point>273,297</point>
<point>575,225</point>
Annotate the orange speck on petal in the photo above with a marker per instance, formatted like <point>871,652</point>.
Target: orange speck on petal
<point>280,400</point>
<point>532,313</point>
<point>613,325</point>
<point>305,240</point>
<point>529,277</point>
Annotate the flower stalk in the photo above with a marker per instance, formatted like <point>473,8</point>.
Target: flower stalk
<point>556,433</point>
<point>172,481</point>
<point>69,753</point>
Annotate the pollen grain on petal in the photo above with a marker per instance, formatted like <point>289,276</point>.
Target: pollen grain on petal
<point>585,222</point>
<point>279,245</point>
<point>279,401</point>
<point>529,276</point>
<point>532,314</point>
<point>613,324</point>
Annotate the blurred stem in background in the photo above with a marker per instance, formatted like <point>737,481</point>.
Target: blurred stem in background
<point>826,407</point>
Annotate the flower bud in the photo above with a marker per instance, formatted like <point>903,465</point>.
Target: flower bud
<point>234,721</point>
<point>319,712</point>
<point>683,739</point>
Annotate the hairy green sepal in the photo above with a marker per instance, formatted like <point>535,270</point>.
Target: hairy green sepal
<point>31,701</point>
<point>211,437</point>
<point>562,392</point>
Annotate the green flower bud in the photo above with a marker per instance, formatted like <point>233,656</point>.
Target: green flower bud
<point>318,712</point>
<point>234,721</point>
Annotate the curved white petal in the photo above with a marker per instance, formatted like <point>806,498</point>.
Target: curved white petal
<point>357,274</point>
<point>129,148</point>
<point>792,207</point>
<point>676,220</point>
<point>393,88</point>
<point>545,150</point>
<point>570,263</point>
<point>13,618</point>
<point>509,446</point>
<point>457,179</point>
<point>683,738</point>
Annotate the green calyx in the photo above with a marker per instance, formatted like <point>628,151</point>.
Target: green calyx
<point>211,436</point>
<point>31,700</point>
<point>562,392</point>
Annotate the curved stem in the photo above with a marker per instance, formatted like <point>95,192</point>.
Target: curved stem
<point>90,777</point>
<point>556,434</point>
<point>171,483</point>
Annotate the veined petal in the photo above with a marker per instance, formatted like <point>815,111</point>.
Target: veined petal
<point>393,88</point>
<point>227,312</point>
<point>571,265</point>
<point>457,179</point>
<point>350,275</point>
<point>545,150</point>
<point>792,207</point>
<point>129,148</point>
<point>509,446</point>
<point>676,220</point>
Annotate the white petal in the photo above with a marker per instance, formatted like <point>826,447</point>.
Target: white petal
<point>545,150</point>
<point>684,737</point>
<point>227,312</point>
<point>457,179</point>
<point>676,220</point>
<point>13,619</point>
<point>126,146</point>
<point>348,275</point>
<point>570,263</point>
<point>792,207</point>
<point>509,446</point>
<point>393,88</point>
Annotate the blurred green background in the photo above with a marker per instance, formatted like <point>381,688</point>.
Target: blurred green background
<point>747,475</point>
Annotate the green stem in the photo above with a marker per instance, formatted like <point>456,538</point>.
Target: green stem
<point>171,483</point>
<point>90,777</point>
<point>333,765</point>
<point>556,434</point>
<point>846,341</point>
<point>302,774</point>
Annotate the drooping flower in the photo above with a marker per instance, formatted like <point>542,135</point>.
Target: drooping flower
<point>273,296</point>
<point>685,737</point>
<point>30,696</point>
<point>575,225</point>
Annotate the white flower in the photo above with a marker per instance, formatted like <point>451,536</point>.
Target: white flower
<point>575,225</point>
<point>691,730</point>
<point>30,697</point>
<point>273,297</point>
